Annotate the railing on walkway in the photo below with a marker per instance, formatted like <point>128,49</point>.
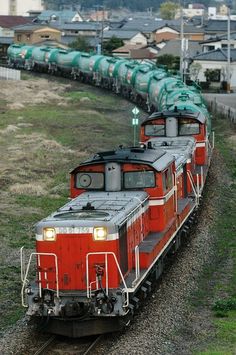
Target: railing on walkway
<point>10,74</point>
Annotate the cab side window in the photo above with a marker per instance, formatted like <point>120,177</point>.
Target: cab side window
<point>167,180</point>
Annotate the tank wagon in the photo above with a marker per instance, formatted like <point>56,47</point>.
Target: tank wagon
<point>98,256</point>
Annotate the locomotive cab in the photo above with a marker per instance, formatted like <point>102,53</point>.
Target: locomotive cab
<point>181,125</point>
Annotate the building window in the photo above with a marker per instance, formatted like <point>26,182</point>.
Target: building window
<point>28,37</point>
<point>18,38</point>
<point>45,36</point>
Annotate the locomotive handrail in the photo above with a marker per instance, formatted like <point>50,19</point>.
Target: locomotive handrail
<point>195,190</point>
<point>106,269</point>
<point>25,280</point>
<point>137,265</point>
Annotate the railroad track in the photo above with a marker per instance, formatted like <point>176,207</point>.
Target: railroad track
<point>79,347</point>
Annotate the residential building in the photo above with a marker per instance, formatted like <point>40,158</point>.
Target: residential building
<point>20,7</point>
<point>218,27</point>
<point>35,33</point>
<point>191,11</point>
<point>59,17</point>
<point>218,42</point>
<point>168,32</point>
<point>217,60</point>
<point>129,37</point>
<point>7,32</point>
<point>172,47</point>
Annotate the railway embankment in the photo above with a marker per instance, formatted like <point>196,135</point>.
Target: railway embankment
<point>222,104</point>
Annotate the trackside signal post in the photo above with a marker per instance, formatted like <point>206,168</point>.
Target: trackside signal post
<point>135,121</point>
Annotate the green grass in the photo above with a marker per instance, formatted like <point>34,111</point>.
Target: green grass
<point>76,131</point>
<point>218,279</point>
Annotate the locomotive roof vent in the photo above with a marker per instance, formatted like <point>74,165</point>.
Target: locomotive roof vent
<point>88,207</point>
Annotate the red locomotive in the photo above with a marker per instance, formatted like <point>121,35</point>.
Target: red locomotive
<point>98,255</point>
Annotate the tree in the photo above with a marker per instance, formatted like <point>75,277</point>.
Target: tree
<point>168,10</point>
<point>112,44</point>
<point>194,71</point>
<point>80,44</point>
<point>170,61</point>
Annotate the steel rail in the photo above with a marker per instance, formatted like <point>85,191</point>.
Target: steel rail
<point>45,345</point>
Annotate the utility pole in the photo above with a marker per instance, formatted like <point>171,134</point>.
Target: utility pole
<point>181,66</point>
<point>228,53</point>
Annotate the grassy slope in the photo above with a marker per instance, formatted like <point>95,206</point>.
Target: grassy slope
<point>218,283</point>
<point>34,179</point>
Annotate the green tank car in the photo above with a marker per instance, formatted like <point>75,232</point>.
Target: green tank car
<point>67,62</point>
<point>14,54</point>
<point>20,56</point>
<point>143,81</point>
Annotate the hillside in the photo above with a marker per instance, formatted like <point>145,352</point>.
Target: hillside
<point>136,5</point>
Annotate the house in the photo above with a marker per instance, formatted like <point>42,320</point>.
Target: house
<point>128,37</point>
<point>147,26</point>
<point>86,29</point>
<point>217,60</point>
<point>172,47</point>
<point>125,51</point>
<point>147,52</point>
<point>20,7</point>
<point>134,51</point>
<point>191,11</point>
<point>59,17</point>
<point>218,42</point>
<point>34,33</point>
<point>168,32</point>
<point>7,22</point>
<point>100,15</point>
<point>218,27</point>
<point>6,31</point>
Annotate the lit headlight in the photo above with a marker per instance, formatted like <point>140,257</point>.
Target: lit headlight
<point>49,234</point>
<point>100,233</point>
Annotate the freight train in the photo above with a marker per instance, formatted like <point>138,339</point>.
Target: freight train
<point>98,256</point>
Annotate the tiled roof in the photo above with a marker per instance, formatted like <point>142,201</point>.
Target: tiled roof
<point>120,34</point>
<point>216,55</point>
<point>92,41</point>
<point>31,27</point>
<point>127,48</point>
<point>173,47</point>
<point>65,15</point>
<point>220,38</point>
<point>11,21</point>
<point>219,26</point>
<point>80,26</point>
<point>147,25</point>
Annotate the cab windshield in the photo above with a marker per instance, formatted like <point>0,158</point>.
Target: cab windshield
<point>139,179</point>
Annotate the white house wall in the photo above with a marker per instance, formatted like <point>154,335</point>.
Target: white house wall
<point>166,29</point>
<point>216,65</point>
<point>139,38</point>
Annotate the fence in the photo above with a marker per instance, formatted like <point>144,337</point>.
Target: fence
<point>10,74</point>
<point>222,109</point>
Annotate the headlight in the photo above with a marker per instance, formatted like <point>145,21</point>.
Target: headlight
<point>100,233</point>
<point>49,234</point>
